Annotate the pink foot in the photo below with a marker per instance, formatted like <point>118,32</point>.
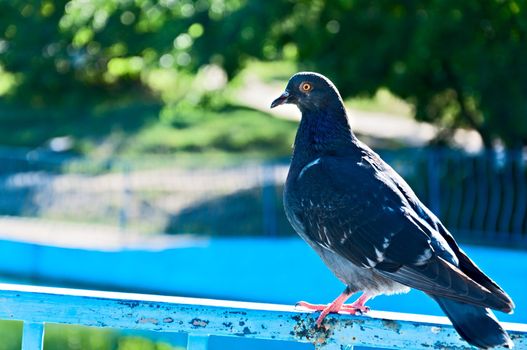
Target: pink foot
<point>325,309</point>
<point>337,305</point>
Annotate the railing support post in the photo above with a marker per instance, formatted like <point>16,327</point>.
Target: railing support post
<point>33,336</point>
<point>198,342</point>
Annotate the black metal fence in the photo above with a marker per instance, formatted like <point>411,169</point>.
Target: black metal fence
<point>481,197</point>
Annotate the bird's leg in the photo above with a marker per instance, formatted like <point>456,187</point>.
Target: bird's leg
<point>334,307</point>
<point>358,305</point>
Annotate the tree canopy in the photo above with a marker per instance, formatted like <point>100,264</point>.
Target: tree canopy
<point>460,63</point>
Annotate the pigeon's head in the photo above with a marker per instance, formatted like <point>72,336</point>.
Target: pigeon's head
<point>309,91</point>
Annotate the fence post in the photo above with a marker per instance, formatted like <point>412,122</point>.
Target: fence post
<point>520,207</point>
<point>434,187</point>
<point>268,201</point>
<point>125,198</point>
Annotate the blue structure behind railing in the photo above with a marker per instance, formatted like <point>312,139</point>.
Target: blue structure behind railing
<point>202,318</point>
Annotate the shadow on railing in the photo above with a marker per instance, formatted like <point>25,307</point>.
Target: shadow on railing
<point>201,318</point>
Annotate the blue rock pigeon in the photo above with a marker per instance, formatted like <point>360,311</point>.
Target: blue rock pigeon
<point>369,227</point>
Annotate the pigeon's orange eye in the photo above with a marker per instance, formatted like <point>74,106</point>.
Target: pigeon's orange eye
<point>305,87</point>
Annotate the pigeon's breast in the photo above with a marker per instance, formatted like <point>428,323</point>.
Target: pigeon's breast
<point>314,209</point>
<point>359,278</point>
<point>306,213</point>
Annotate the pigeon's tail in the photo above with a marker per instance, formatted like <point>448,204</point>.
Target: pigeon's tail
<point>477,325</point>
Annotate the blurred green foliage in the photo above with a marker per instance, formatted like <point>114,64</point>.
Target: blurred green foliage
<point>460,63</point>
<point>60,337</point>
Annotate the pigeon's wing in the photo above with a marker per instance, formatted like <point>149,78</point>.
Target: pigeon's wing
<point>472,270</point>
<point>446,242</point>
<point>356,211</point>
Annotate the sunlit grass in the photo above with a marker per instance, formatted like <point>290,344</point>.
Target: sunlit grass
<point>233,130</point>
<point>271,71</point>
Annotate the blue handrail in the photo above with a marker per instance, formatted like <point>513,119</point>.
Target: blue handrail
<point>201,318</point>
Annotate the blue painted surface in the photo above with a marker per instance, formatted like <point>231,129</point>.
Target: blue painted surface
<point>198,342</point>
<point>32,336</point>
<point>253,269</point>
<point>200,318</point>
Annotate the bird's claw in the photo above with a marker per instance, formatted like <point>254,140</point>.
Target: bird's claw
<point>332,309</point>
<point>324,310</point>
<point>355,309</point>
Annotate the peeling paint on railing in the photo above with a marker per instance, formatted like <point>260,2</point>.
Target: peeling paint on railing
<point>201,318</point>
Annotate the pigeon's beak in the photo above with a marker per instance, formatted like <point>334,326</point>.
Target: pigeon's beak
<point>283,98</point>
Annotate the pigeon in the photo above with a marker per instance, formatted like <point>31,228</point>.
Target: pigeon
<point>369,227</point>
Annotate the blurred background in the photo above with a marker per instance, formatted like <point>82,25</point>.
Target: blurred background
<point>138,151</point>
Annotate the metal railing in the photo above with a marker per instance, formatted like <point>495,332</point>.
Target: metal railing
<point>202,318</point>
